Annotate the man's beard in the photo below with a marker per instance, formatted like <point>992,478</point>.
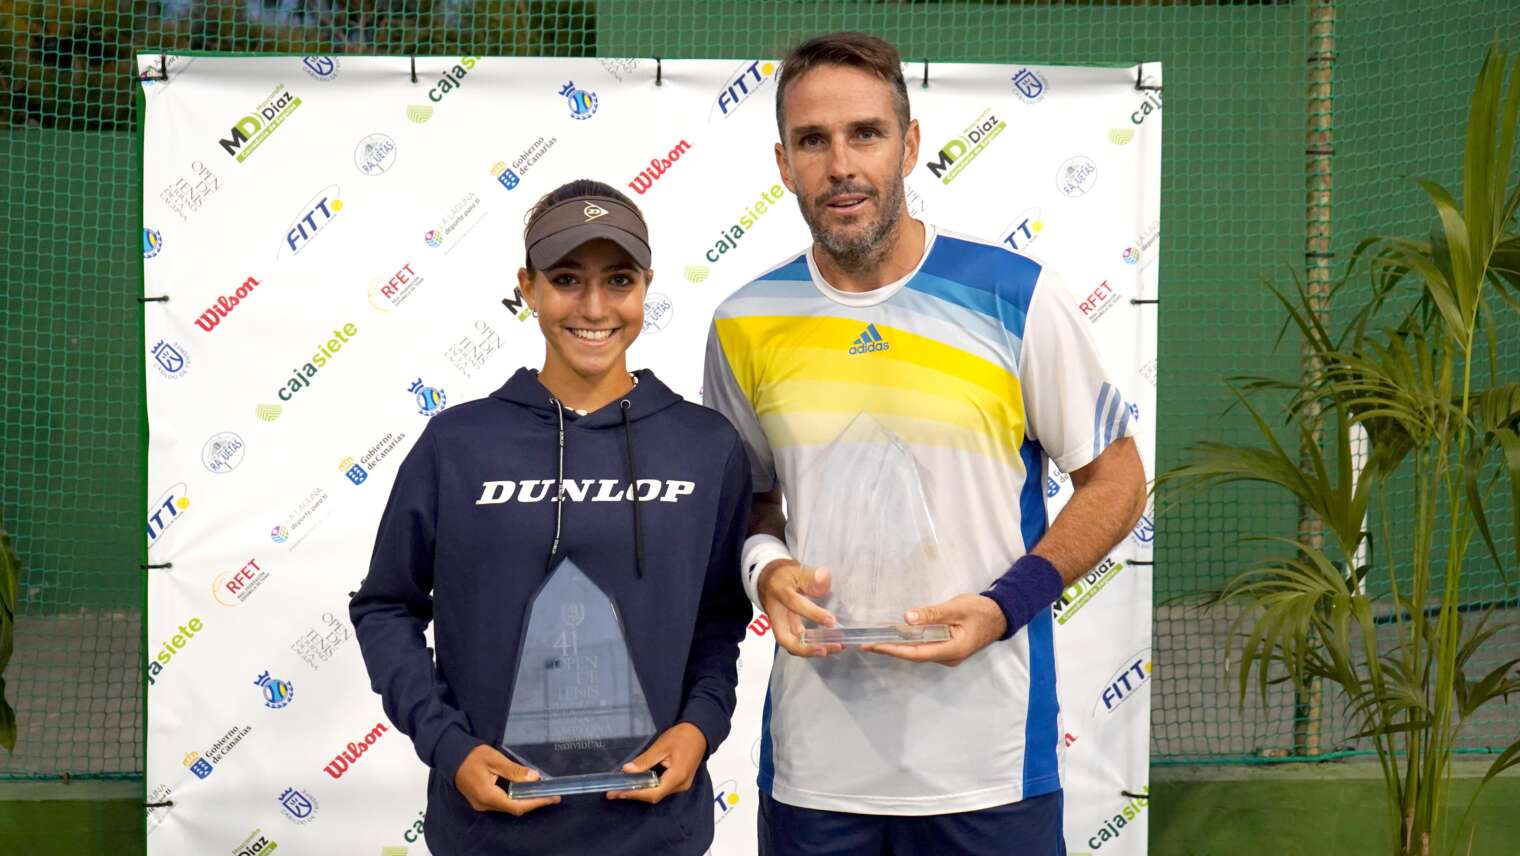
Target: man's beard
<point>869,246</point>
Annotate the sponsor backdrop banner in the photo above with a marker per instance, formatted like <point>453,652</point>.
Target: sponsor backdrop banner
<point>338,245</point>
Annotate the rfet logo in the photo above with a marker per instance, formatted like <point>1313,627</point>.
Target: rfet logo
<point>314,216</point>
<point>231,588</point>
<point>388,293</point>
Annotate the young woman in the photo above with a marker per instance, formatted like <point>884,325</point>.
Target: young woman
<point>648,494</point>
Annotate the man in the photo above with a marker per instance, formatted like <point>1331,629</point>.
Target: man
<point>987,373</point>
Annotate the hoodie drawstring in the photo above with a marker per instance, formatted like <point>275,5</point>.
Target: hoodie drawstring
<point>559,483</point>
<point>633,491</point>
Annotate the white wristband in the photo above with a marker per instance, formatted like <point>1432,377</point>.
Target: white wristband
<point>759,551</point>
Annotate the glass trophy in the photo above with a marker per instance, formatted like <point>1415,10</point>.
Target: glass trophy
<point>881,552</point>
<point>578,712</point>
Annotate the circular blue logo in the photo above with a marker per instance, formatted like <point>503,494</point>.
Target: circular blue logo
<point>153,242</point>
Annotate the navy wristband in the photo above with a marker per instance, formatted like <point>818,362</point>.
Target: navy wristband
<point>1031,585</point>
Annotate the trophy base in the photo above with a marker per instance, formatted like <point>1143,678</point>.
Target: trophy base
<point>589,783</point>
<point>899,634</point>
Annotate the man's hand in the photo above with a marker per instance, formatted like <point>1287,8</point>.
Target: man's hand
<point>680,750</point>
<point>785,588</point>
<point>975,622</point>
<point>477,776</point>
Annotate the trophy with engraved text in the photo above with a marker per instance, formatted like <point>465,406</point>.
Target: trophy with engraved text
<point>882,553</point>
<point>578,712</point>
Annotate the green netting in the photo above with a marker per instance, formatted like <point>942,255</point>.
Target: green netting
<point>1233,206</point>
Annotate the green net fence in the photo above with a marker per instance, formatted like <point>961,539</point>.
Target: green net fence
<point>1235,172</point>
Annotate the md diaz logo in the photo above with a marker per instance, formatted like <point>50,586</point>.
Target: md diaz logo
<point>582,101</point>
<point>430,400</point>
<point>375,154</point>
<point>314,216</point>
<point>256,844</point>
<point>955,155</point>
<point>298,805</point>
<point>278,692</point>
<point>170,359</point>
<point>250,132</point>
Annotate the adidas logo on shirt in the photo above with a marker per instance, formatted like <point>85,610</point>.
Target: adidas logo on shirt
<point>869,341</point>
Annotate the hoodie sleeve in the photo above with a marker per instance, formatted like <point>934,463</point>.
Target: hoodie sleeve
<point>711,671</point>
<point>392,608</point>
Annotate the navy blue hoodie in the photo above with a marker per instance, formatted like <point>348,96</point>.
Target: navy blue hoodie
<point>464,542</point>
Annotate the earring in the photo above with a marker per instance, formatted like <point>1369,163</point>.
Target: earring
<point>535,313</point>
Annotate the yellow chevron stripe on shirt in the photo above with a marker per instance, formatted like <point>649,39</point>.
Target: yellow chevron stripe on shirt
<point>805,386</point>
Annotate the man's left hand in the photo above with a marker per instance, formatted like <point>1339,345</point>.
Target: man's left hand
<point>975,622</point>
<point>680,749</point>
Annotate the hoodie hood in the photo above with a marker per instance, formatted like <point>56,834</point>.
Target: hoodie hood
<point>648,397</point>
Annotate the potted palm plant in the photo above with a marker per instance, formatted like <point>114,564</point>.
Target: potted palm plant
<point>1412,363</point>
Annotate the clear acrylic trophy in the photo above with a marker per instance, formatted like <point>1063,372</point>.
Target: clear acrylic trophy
<point>882,552</point>
<point>578,712</point>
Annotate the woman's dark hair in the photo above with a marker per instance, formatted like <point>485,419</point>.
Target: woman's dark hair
<point>580,188</point>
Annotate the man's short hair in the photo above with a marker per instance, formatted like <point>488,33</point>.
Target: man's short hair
<point>854,50</point>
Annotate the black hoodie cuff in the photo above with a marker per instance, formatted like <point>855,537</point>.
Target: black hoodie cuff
<point>709,719</point>
<point>450,750</point>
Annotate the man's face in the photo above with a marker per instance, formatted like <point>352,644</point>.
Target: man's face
<point>844,155</point>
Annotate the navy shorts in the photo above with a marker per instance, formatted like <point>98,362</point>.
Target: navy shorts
<point>1028,828</point>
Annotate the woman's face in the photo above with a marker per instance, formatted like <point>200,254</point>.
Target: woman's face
<point>590,306</point>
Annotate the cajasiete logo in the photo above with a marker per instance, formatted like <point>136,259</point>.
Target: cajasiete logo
<point>375,154</point>
<point>1114,826</point>
<point>955,155</point>
<point>170,358</point>
<point>1151,104</point>
<point>747,79</point>
<point>224,305</point>
<point>729,237</point>
<point>582,102</point>
<point>314,216</point>
<point>302,377</point>
<point>223,452</point>
<point>323,68</point>
<point>450,80</point>
<point>171,648</point>
<point>250,132</point>
<point>658,167</point>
